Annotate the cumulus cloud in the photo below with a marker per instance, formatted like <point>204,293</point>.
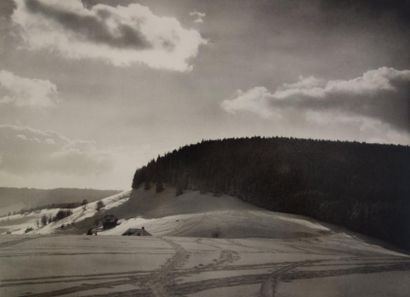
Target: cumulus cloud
<point>198,16</point>
<point>339,125</point>
<point>27,151</point>
<point>256,100</point>
<point>381,94</point>
<point>22,91</point>
<point>120,35</point>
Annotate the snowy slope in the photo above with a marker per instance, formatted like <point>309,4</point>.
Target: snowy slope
<point>17,224</point>
<point>195,214</point>
<point>190,214</point>
<point>257,253</point>
<point>225,224</point>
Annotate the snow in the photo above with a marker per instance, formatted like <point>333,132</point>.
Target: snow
<point>202,245</point>
<point>375,285</point>
<point>149,204</point>
<point>17,224</point>
<point>190,214</point>
<point>196,214</point>
<point>186,266</point>
<point>222,223</point>
<point>306,223</point>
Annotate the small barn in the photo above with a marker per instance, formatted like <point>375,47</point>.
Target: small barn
<point>136,232</point>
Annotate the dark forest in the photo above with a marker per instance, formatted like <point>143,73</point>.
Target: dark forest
<point>363,187</point>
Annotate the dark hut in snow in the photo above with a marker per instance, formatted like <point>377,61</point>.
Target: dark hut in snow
<point>136,232</point>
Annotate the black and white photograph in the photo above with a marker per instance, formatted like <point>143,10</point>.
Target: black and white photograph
<point>205,148</point>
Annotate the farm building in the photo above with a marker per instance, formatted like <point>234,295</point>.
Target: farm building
<point>136,232</point>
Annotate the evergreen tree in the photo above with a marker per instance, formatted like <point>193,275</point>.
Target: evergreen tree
<point>159,187</point>
<point>147,185</point>
<point>99,205</point>
<point>44,220</point>
<point>361,186</point>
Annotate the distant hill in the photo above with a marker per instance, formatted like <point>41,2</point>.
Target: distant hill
<point>14,199</point>
<point>190,214</point>
<point>364,187</point>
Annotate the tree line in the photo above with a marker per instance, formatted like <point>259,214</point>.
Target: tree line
<point>364,187</point>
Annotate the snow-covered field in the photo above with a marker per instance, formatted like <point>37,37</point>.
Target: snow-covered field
<point>225,224</point>
<point>325,265</point>
<point>202,245</point>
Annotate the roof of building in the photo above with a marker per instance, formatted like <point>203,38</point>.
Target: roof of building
<point>137,232</point>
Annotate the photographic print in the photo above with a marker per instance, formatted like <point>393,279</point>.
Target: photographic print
<point>192,148</point>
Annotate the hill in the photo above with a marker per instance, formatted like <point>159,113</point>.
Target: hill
<point>50,220</point>
<point>193,214</point>
<point>15,199</point>
<point>202,245</point>
<point>363,187</point>
<point>190,214</point>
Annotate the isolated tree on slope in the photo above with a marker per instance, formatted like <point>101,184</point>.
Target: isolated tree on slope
<point>84,204</point>
<point>44,220</point>
<point>99,205</point>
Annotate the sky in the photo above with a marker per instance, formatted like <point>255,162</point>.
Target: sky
<point>91,90</point>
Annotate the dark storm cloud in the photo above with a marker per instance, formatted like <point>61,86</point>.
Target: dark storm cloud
<point>6,8</point>
<point>92,27</point>
<point>8,32</point>
<point>400,9</point>
<point>91,3</point>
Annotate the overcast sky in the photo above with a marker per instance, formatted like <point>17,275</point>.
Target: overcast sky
<point>91,90</point>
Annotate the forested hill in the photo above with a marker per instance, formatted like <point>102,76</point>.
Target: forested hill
<point>364,187</point>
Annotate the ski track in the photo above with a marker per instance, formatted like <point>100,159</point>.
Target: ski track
<point>164,277</point>
<point>166,280</point>
<point>189,265</point>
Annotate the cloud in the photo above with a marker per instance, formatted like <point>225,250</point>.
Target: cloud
<point>339,125</point>
<point>399,9</point>
<point>121,35</point>
<point>256,100</point>
<point>27,151</point>
<point>199,16</point>
<point>22,91</point>
<point>381,94</point>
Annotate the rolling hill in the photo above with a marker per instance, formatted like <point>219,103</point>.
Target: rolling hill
<point>202,245</point>
<point>219,213</point>
<point>15,199</point>
<point>363,187</point>
<point>190,214</point>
